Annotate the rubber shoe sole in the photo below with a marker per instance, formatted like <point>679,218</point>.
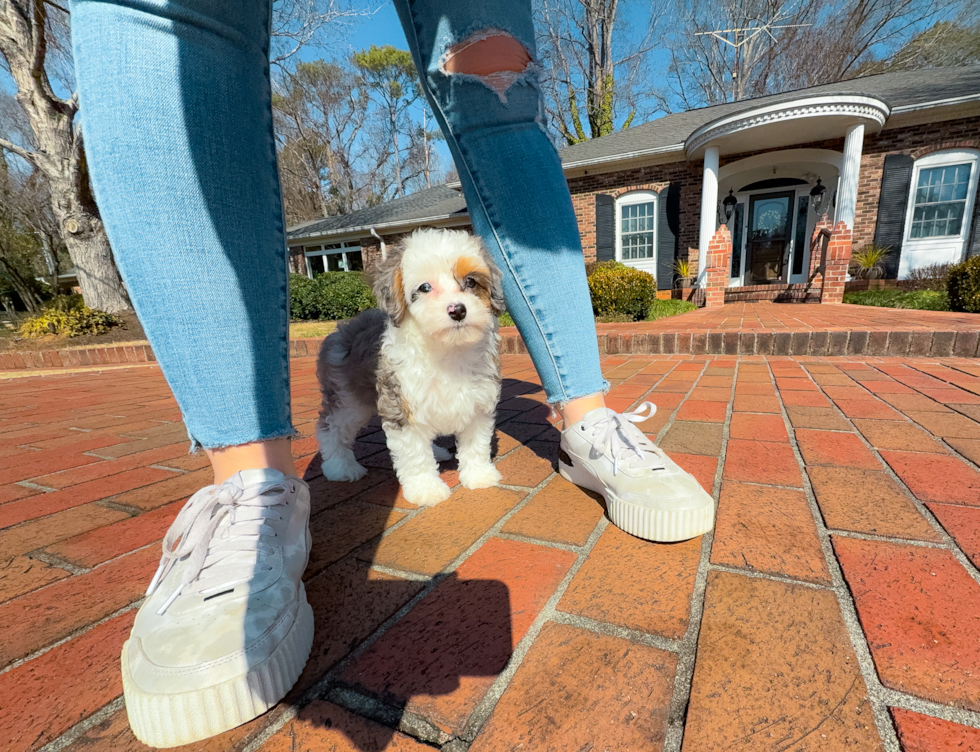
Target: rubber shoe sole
<point>172,720</point>
<point>657,525</point>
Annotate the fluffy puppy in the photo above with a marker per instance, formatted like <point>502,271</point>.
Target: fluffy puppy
<point>426,363</point>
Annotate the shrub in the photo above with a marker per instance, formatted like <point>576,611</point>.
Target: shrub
<point>922,300</point>
<point>964,286</point>
<point>661,309</point>
<point>620,289</point>
<point>68,322</point>
<point>931,277</point>
<point>505,319</point>
<point>330,296</point>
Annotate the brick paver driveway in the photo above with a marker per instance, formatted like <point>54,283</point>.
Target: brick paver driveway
<point>836,606</point>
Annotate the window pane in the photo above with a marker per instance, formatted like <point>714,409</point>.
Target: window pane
<point>355,263</point>
<point>940,201</point>
<point>316,264</point>
<point>335,262</point>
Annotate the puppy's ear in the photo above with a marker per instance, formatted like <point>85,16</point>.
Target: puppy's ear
<point>388,287</point>
<point>497,303</point>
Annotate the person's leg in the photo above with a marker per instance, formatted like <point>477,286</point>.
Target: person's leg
<point>476,62</point>
<point>176,109</point>
<point>176,116</point>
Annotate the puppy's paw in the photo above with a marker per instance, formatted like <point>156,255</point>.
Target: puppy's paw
<point>425,490</point>
<point>441,454</point>
<point>479,476</point>
<point>343,468</point>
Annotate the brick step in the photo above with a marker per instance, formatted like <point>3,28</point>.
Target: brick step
<point>962,344</point>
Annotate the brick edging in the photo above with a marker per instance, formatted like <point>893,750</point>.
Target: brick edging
<point>95,356</point>
<point>963,344</point>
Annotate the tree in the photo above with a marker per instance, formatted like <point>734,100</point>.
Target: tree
<point>389,77</point>
<point>19,246</point>
<point>33,46</point>
<point>54,146</point>
<point>334,154</point>
<point>738,49</point>
<point>946,43</point>
<point>591,60</point>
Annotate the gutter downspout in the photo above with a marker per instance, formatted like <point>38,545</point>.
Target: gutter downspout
<point>384,251</point>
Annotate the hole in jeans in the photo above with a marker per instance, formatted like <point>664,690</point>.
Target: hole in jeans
<point>493,57</point>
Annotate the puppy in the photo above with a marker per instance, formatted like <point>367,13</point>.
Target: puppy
<point>426,363</point>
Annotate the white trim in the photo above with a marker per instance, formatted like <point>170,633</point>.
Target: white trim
<point>946,248</point>
<point>782,156</point>
<point>461,218</point>
<point>952,101</point>
<point>629,199</point>
<point>848,105</point>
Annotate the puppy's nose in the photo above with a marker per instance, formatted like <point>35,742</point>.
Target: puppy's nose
<point>457,311</point>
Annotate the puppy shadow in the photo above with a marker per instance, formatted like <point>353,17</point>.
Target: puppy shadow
<point>454,639</point>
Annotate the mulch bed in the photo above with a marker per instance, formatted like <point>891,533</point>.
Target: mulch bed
<point>129,331</point>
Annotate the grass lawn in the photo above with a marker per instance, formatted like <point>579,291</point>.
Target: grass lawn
<point>311,329</point>
<point>920,300</point>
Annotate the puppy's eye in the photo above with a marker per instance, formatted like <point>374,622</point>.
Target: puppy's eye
<point>425,287</point>
<point>470,283</point>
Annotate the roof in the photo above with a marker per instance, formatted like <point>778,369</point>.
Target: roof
<point>899,90</point>
<point>432,203</point>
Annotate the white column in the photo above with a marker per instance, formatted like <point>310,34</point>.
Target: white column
<point>847,192</point>
<point>709,209</point>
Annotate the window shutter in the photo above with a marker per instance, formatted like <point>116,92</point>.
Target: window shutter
<point>668,228</point>
<point>896,177</point>
<point>605,227</point>
<point>973,241</point>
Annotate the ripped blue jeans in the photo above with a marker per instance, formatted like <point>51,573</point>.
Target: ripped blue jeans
<point>176,106</point>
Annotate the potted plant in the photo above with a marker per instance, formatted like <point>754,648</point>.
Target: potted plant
<point>868,263</point>
<point>682,277</point>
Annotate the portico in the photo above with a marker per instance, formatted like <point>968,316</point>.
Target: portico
<point>772,201</point>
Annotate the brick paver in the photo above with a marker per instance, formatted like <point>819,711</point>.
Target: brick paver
<point>835,607</point>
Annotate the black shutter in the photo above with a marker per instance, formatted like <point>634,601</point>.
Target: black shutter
<point>668,228</point>
<point>737,219</point>
<point>973,244</point>
<point>605,227</point>
<point>896,177</point>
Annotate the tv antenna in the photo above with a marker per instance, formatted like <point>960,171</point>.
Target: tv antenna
<point>748,33</point>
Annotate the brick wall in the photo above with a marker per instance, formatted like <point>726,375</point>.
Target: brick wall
<point>653,178</point>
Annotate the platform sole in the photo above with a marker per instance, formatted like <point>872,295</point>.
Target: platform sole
<point>658,525</point>
<point>171,720</point>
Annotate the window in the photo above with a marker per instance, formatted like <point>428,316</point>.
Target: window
<point>940,209</point>
<point>636,229</point>
<point>940,200</point>
<point>334,257</point>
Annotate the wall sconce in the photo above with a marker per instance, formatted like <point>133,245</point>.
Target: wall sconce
<point>729,204</point>
<point>816,195</point>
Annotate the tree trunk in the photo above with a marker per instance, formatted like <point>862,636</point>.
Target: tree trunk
<point>102,287</point>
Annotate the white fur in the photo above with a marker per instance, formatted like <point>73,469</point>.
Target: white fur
<point>447,371</point>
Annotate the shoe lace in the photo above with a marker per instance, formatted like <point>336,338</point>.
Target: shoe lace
<point>215,524</point>
<point>617,436</point>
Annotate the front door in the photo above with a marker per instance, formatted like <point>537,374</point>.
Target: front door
<point>767,241</point>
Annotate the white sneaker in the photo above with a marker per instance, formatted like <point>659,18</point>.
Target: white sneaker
<point>647,494</point>
<point>226,629</point>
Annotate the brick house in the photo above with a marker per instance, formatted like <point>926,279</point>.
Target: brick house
<point>891,159</point>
